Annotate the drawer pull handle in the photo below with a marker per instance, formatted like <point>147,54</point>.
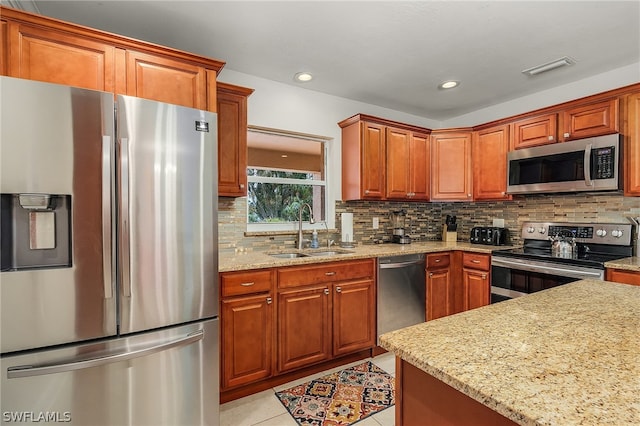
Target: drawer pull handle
<point>329,274</point>
<point>326,291</point>
<point>247,284</point>
<point>338,289</point>
<point>269,300</point>
<point>438,260</point>
<point>475,261</point>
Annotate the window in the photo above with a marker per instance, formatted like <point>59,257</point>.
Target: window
<point>285,171</point>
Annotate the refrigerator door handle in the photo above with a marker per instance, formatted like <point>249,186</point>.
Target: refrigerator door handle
<point>88,361</point>
<point>106,216</point>
<point>124,217</point>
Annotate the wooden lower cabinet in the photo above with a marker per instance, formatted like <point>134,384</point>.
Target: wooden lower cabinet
<point>439,286</point>
<point>623,276</point>
<point>421,399</point>
<point>328,311</point>
<point>247,339</point>
<point>476,284</point>
<point>304,327</point>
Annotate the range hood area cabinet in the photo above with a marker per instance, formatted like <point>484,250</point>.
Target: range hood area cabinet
<point>39,48</point>
<point>384,159</point>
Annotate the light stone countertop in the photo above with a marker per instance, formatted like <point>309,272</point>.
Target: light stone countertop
<point>628,263</point>
<point>565,356</point>
<point>258,259</point>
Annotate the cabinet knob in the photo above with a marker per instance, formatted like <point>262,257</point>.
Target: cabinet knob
<point>366,191</point>
<point>242,186</point>
<point>468,195</point>
<point>338,289</point>
<point>484,276</point>
<point>326,291</point>
<point>566,135</point>
<point>430,274</point>
<point>269,300</point>
<point>550,138</point>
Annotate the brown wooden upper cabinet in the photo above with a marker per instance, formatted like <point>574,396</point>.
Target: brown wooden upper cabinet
<point>489,157</point>
<point>232,139</point>
<point>407,155</point>
<point>451,173</point>
<point>632,145</point>
<point>39,48</point>
<point>534,131</point>
<point>61,57</point>
<point>585,121</point>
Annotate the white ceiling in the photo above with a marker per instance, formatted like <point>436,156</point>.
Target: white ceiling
<point>390,54</point>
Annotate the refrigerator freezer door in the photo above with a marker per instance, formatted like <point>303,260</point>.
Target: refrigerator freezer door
<point>56,142</point>
<point>167,206</point>
<point>167,377</point>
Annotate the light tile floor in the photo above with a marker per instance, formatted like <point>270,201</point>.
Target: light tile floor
<point>264,408</point>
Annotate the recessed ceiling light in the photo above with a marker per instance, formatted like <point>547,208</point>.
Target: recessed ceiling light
<point>303,77</point>
<point>449,84</point>
<point>549,66</point>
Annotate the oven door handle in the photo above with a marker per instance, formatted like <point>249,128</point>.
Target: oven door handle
<point>581,273</point>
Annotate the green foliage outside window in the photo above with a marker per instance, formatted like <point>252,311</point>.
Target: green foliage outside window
<point>278,202</point>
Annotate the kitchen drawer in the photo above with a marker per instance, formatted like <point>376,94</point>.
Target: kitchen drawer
<point>476,261</point>
<point>246,282</point>
<point>438,260</point>
<point>297,276</point>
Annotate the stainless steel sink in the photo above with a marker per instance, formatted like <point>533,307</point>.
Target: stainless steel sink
<point>288,255</point>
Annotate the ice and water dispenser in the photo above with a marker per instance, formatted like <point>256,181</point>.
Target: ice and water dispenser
<point>36,231</point>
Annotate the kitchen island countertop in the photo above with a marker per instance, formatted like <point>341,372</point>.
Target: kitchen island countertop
<point>565,356</point>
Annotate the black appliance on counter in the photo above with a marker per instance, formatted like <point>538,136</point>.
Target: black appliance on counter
<point>538,265</point>
<point>489,235</point>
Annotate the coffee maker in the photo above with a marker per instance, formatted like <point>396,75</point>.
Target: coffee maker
<point>398,219</point>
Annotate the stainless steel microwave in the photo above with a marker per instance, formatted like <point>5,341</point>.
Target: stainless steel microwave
<point>591,164</point>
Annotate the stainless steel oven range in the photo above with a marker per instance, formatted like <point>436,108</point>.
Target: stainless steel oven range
<point>554,254</point>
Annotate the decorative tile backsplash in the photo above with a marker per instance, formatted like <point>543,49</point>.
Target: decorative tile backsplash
<point>425,220</point>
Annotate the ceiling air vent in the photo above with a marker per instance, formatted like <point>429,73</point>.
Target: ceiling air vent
<point>539,69</point>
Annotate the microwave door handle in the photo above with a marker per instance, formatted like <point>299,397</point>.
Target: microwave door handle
<point>587,166</point>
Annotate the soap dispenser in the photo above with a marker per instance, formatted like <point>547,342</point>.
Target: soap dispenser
<point>314,239</point>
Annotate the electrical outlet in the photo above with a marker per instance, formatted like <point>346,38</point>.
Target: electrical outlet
<point>498,222</point>
<point>376,223</point>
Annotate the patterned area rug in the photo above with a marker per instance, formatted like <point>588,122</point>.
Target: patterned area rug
<point>341,398</point>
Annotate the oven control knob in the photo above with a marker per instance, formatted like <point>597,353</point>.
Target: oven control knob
<point>542,230</point>
<point>601,233</point>
<point>531,229</point>
<point>616,233</point>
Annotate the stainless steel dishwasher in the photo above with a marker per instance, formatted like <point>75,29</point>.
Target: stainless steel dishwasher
<point>401,292</point>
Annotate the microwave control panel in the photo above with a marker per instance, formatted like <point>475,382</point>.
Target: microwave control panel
<point>604,162</point>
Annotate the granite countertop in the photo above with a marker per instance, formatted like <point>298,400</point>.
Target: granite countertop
<point>257,259</point>
<point>569,355</point>
<point>628,263</point>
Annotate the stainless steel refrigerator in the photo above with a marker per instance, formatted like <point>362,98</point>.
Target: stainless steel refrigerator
<point>108,287</point>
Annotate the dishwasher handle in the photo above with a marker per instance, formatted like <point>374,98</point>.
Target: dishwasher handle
<point>397,265</point>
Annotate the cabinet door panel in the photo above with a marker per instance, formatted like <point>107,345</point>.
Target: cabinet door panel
<point>304,327</point>
<point>535,131</point>
<point>61,58</point>
<point>489,152</point>
<point>419,167</point>
<point>398,154</point>
<point>247,340</point>
<point>476,288</point>
<point>353,317</point>
<point>438,293</point>
<point>373,153</point>
<point>590,120</point>
<point>166,80</point>
<point>451,166</point>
